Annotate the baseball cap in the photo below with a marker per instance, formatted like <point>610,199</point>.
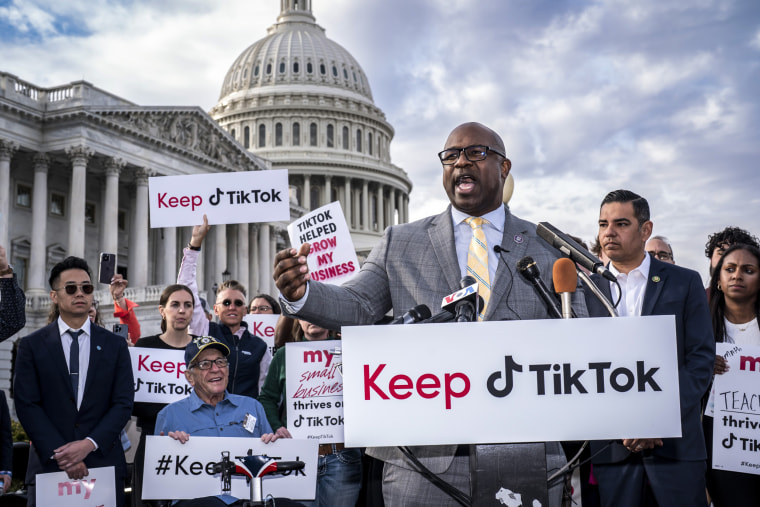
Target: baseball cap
<point>201,343</point>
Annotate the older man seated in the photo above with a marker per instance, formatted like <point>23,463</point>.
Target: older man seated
<point>210,411</point>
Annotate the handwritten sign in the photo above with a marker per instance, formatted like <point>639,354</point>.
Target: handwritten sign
<point>226,198</point>
<point>736,423</point>
<point>159,375</point>
<point>176,471</point>
<point>332,258</point>
<point>96,490</point>
<point>263,326</point>
<point>512,380</point>
<point>314,387</point>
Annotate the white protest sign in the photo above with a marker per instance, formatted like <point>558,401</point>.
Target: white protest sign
<point>332,258</point>
<point>97,489</point>
<point>263,325</point>
<point>181,471</point>
<point>226,198</point>
<point>159,375</point>
<point>314,389</point>
<point>511,381</point>
<point>736,423</point>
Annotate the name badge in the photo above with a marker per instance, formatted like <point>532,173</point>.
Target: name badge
<point>249,423</point>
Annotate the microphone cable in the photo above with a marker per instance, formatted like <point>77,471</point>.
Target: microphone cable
<point>500,252</point>
<point>458,496</point>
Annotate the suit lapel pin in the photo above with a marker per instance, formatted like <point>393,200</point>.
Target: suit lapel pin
<point>98,347</point>
<point>655,278</point>
<point>518,239</point>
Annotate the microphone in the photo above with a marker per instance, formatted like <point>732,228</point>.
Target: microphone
<point>565,279</point>
<point>467,294</point>
<point>528,269</point>
<point>576,252</point>
<point>416,314</point>
<point>463,303</point>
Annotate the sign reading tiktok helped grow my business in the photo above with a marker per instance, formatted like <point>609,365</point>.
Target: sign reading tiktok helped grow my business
<point>314,387</point>
<point>225,198</point>
<point>736,423</point>
<point>332,258</point>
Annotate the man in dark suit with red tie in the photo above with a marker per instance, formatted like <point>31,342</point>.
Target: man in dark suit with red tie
<point>73,385</point>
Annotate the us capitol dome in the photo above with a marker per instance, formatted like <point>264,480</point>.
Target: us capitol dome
<point>302,102</point>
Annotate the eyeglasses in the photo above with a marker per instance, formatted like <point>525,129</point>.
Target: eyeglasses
<point>661,255</point>
<point>206,364</point>
<point>71,289</point>
<point>261,309</point>
<point>473,153</point>
<point>228,302</point>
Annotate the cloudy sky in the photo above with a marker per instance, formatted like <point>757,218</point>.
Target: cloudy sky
<point>658,96</point>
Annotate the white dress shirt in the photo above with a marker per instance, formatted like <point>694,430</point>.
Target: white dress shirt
<point>633,285</point>
<point>84,352</point>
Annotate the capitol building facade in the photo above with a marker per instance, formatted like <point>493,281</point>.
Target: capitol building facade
<point>75,162</point>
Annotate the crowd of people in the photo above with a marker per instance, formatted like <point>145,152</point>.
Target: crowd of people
<point>76,422</point>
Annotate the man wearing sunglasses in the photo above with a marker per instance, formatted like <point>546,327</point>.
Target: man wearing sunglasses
<point>421,263</point>
<point>73,385</point>
<point>249,355</point>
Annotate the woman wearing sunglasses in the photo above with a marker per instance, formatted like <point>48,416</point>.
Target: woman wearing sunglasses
<point>249,355</point>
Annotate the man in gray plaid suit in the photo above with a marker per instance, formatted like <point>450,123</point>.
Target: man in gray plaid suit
<point>420,263</point>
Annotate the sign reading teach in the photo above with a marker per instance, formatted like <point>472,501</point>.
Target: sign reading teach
<point>225,198</point>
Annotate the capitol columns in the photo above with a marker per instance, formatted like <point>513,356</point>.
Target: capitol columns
<point>365,206</point>
<point>113,168</point>
<point>243,261</point>
<point>328,190</point>
<point>347,201</point>
<point>306,196</point>
<point>38,249</point>
<point>79,156</point>
<point>7,148</point>
<point>392,206</point>
<point>138,256</point>
<point>266,263</point>
<point>380,209</point>
<point>254,283</point>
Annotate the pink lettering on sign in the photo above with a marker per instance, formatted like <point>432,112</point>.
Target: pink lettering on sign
<point>158,366</point>
<point>70,488</point>
<point>183,201</point>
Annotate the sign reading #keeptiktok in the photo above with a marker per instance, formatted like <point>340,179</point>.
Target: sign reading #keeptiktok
<point>225,198</point>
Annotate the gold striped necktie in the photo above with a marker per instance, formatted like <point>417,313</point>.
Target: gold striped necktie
<point>477,260</point>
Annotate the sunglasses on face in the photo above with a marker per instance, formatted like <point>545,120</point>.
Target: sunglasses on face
<point>227,302</point>
<point>71,289</point>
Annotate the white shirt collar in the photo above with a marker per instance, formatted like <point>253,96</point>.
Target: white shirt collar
<point>642,268</point>
<point>495,218</point>
<point>63,327</point>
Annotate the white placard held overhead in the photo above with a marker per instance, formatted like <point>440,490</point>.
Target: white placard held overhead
<point>225,198</point>
<point>332,258</point>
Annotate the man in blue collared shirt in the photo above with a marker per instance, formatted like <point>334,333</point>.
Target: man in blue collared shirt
<point>210,411</point>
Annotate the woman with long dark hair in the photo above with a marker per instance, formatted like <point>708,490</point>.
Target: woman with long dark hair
<point>176,308</point>
<point>735,310</point>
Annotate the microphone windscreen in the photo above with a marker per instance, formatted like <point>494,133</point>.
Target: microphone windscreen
<point>524,263</point>
<point>564,275</point>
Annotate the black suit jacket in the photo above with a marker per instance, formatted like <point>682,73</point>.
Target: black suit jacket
<point>45,402</point>
<point>673,290</point>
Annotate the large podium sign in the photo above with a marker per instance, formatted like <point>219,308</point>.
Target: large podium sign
<point>511,381</point>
